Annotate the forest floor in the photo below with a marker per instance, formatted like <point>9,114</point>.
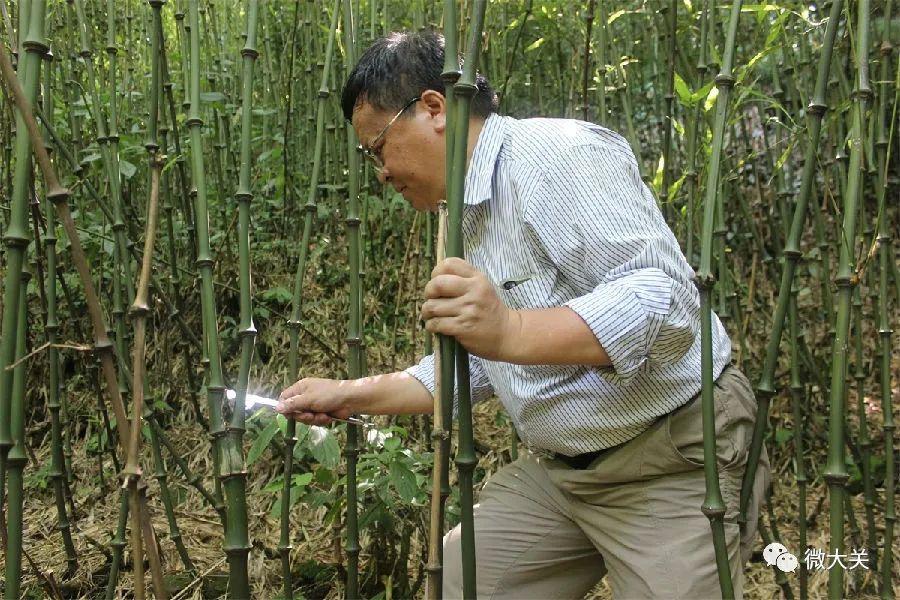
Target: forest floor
<point>313,554</point>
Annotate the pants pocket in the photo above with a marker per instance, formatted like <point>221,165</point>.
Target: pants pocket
<point>735,413</point>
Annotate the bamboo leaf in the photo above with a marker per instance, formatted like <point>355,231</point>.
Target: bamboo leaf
<point>262,442</point>
<point>535,44</point>
<point>127,169</point>
<point>683,91</point>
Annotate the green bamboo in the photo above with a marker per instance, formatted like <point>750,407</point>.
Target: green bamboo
<point>16,237</point>
<point>695,126</point>
<point>798,406</point>
<point>17,457</point>
<point>835,472</point>
<point>450,75</point>
<point>51,326</point>
<point>234,474</point>
<point>13,456</point>
<point>354,327</point>
<point>864,441</point>
<point>228,453</point>
<point>463,91</point>
<point>294,324</point>
<point>671,12</point>
<point>766,386</point>
<point>586,65</point>
<point>885,255</point>
<point>713,505</point>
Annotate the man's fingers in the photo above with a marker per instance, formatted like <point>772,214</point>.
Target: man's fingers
<point>294,389</point>
<point>294,404</point>
<point>440,325</point>
<point>446,286</point>
<point>440,308</point>
<point>454,266</point>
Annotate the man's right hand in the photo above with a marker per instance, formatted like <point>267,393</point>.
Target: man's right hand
<point>316,401</point>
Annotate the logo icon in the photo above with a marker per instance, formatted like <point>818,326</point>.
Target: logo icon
<point>776,555</point>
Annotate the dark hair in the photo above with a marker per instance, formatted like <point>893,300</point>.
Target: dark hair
<point>400,66</point>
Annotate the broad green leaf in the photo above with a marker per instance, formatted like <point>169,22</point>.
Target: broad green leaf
<point>711,99</point>
<point>127,169</point>
<point>404,481</point>
<point>682,91</point>
<point>392,444</point>
<point>212,97</point>
<point>262,442</point>
<point>324,447</point>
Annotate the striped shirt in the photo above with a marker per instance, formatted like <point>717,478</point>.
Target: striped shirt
<point>556,214</point>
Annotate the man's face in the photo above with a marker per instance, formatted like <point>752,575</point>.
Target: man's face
<point>412,149</point>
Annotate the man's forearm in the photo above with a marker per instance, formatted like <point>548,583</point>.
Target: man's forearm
<point>390,394</point>
<point>553,336</point>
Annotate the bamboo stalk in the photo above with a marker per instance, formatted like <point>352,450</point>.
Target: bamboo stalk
<point>229,454</point>
<point>439,435</point>
<point>713,505</point>
<point>835,472</point>
<point>885,256</point>
<point>354,326</point>
<point>766,386</point>
<point>294,324</point>
<point>463,91</point>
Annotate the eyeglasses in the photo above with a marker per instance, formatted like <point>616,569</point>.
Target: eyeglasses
<point>373,154</point>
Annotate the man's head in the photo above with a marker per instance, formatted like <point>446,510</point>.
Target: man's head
<point>394,97</point>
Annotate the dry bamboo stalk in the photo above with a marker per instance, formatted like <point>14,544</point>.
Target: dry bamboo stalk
<point>438,435</point>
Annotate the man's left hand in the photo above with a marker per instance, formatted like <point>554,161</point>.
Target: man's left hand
<point>461,302</point>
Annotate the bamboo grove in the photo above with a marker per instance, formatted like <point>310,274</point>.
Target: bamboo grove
<point>185,220</point>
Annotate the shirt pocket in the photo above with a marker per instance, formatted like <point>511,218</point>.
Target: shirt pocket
<point>523,288</point>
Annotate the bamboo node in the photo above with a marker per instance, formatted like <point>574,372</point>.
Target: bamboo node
<point>249,53</point>
<point>816,109</point>
<point>464,89</point>
<point>836,478</point>
<point>713,513</point>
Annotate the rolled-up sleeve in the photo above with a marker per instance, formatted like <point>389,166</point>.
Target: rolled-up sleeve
<point>480,385</point>
<point>597,223</point>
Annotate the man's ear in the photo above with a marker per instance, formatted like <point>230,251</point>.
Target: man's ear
<point>435,105</point>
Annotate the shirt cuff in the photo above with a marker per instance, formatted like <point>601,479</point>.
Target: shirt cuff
<point>424,373</point>
<point>619,323</point>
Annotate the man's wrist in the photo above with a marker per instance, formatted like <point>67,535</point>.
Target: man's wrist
<point>513,346</point>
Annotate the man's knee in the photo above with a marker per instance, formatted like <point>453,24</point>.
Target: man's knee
<point>452,573</point>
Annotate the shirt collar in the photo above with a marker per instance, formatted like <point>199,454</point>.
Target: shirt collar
<point>484,157</point>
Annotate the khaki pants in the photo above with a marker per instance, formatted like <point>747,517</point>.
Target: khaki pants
<point>545,530</point>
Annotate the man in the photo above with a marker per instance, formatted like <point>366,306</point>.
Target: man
<point>580,314</point>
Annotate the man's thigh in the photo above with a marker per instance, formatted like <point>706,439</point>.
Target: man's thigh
<point>525,544</point>
<point>654,538</point>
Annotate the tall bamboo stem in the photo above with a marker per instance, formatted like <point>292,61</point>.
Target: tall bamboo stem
<point>713,505</point>
<point>439,434</point>
<point>294,324</point>
<point>463,91</point>
<point>792,253</point>
<point>885,255</point>
<point>835,472</point>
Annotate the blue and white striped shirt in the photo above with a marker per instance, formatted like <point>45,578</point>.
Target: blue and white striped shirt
<point>556,214</point>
